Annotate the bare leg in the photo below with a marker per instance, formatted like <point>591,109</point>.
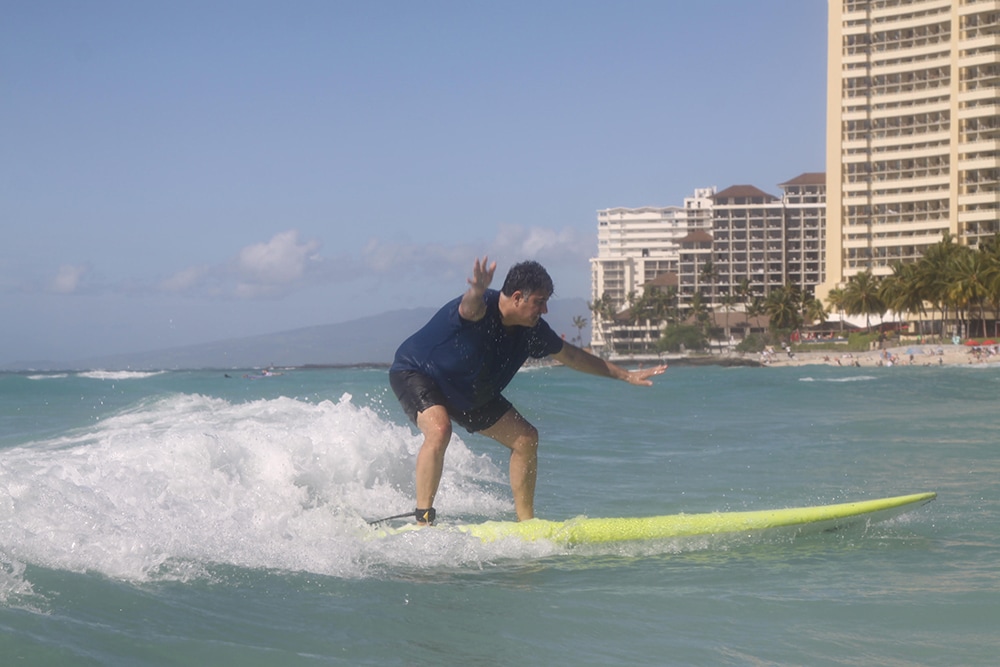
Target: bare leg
<point>514,432</point>
<point>435,424</point>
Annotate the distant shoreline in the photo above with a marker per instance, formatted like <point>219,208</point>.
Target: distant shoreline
<point>922,355</point>
<point>902,355</point>
<point>364,364</point>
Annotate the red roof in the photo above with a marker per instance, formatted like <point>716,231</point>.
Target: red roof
<point>697,236</point>
<point>666,279</point>
<point>808,178</point>
<point>743,191</point>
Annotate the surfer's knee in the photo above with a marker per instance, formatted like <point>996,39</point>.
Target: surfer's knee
<point>527,440</point>
<point>438,437</point>
<point>436,426</point>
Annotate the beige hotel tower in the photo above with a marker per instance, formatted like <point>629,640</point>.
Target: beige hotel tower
<point>913,129</point>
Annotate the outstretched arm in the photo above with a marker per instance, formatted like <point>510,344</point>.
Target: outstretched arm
<point>585,362</point>
<point>473,307</point>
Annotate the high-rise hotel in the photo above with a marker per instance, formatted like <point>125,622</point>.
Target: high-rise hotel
<point>913,129</point>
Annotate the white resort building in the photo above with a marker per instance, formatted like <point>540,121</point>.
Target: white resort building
<point>708,249</point>
<point>636,246</point>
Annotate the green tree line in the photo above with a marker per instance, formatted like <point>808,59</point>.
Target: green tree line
<point>957,282</point>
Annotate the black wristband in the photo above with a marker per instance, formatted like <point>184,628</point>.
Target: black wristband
<point>425,516</point>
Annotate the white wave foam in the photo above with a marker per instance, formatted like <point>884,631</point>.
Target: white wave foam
<point>118,375</point>
<point>14,589</point>
<point>47,376</point>
<point>853,378</point>
<point>173,487</point>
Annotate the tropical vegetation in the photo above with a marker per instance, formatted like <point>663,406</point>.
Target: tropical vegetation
<point>955,285</point>
<point>955,281</point>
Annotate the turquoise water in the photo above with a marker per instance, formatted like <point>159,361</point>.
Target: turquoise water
<point>187,518</point>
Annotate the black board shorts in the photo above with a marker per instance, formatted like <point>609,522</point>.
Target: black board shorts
<point>417,392</point>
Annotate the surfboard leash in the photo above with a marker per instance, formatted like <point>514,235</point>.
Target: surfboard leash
<point>422,516</point>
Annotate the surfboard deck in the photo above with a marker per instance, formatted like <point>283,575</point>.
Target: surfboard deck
<point>583,530</point>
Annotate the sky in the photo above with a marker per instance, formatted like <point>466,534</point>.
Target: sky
<point>179,172</point>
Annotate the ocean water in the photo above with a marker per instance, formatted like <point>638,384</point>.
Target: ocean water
<point>189,518</point>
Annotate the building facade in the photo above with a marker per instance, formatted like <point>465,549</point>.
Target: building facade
<point>758,240</point>
<point>636,246</point>
<point>913,97</point>
<point>711,247</point>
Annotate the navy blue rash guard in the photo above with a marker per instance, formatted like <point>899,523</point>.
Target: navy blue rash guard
<point>472,362</point>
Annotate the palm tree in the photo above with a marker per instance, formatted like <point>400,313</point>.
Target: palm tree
<point>662,304</point>
<point>783,307</point>
<point>932,273</point>
<point>755,307</point>
<point>604,318</point>
<point>579,322</point>
<point>836,298</point>
<point>901,291</point>
<point>991,248</point>
<point>728,305</point>
<point>745,293</point>
<point>861,297</point>
<point>635,307</point>
<point>969,285</point>
<point>814,311</point>
<point>700,313</point>
<point>710,275</point>
<point>646,308</point>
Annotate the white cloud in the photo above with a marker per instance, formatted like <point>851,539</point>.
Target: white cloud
<point>261,270</point>
<point>185,280</point>
<point>382,258</point>
<point>512,244</point>
<point>543,244</point>
<point>279,262</point>
<point>68,278</point>
<point>416,271</point>
<point>284,263</point>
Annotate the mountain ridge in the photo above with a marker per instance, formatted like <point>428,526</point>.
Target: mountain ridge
<point>370,340</point>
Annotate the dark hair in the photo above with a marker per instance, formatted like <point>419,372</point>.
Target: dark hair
<point>528,277</point>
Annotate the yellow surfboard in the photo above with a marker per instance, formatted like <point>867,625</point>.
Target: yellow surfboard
<point>583,530</point>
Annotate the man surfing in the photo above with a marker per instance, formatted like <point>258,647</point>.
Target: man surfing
<point>456,367</point>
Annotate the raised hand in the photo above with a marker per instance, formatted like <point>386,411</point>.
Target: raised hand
<point>482,275</point>
<point>473,307</point>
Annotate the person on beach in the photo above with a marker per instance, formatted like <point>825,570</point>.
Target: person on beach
<point>456,367</point>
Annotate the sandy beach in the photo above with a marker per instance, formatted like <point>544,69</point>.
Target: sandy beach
<point>902,355</point>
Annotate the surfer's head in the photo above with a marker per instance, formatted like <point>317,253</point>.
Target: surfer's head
<point>524,297</point>
<point>528,277</point>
